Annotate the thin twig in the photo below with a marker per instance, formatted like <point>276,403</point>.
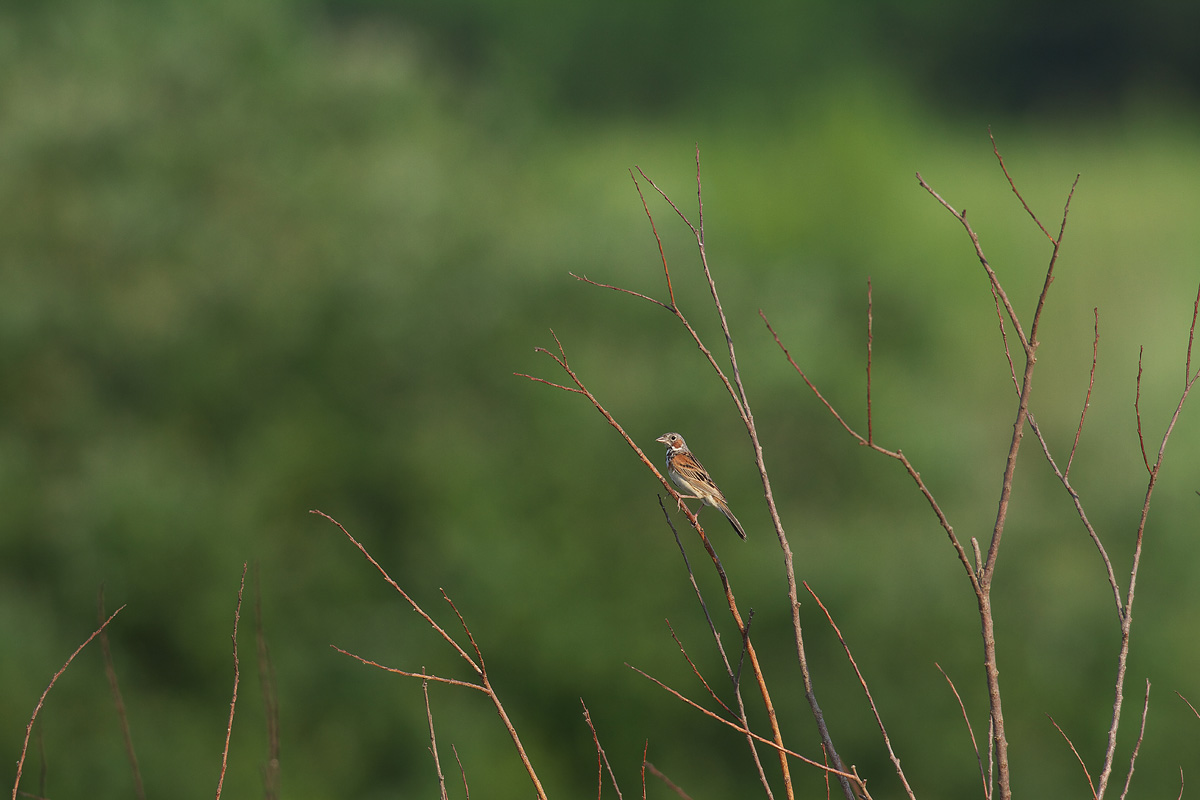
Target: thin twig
<point>645,755</point>
<point>462,771</point>
<point>1138,745</point>
<point>887,742</point>
<point>237,616</point>
<point>1091,785</point>
<point>41,700</point>
<point>1012,185</point>
<point>1189,704</point>
<point>114,687</point>
<point>970,730</point>
<point>1137,411</point>
<point>1127,610</point>
<point>696,672</point>
<point>603,757</point>
<point>484,685</point>
<point>658,774</point>
<point>734,676</point>
<point>764,740</point>
<point>1087,399</point>
<point>561,360</point>
<point>437,762</point>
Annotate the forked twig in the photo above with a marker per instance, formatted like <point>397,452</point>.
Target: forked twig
<point>580,388</point>
<point>859,784</point>
<point>477,666</point>
<point>600,754</point>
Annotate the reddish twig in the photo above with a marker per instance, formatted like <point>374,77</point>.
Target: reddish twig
<point>601,756</point>
<point>1127,609</point>
<point>478,667</point>
<point>658,774</point>
<point>1189,704</point>
<point>1138,744</point>
<point>114,687</point>
<point>561,360</point>
<point>463,772</point>
<point>437,762</point>
<point>887,742</point>
<point>41,700</point>
<point>1087,774</point>
<point>850,776</point>
<point>970,731</point>
<point>1137,411</point>
<point>734,676</point>
<point>237,674</point>
<point>1087,398</point>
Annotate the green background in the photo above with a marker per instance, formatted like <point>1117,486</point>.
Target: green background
<point>264,257</point>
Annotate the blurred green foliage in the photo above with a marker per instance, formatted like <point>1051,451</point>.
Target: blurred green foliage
<point>266,257</point>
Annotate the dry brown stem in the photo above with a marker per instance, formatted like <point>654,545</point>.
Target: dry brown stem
<point>1071,744</point>
<point>437,762</point>
<point>867,691</point>
<point>476,663</point>
<point>653,770</point>
<point>237,616</point>
<point>41,700</point>
<point>737,393</point>
<point>601,756</point>
<point>114,688</point>
<point>987,791</point>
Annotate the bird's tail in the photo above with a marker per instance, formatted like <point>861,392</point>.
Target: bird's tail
<point>737,526</point>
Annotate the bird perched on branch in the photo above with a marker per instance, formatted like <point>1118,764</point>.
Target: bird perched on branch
<point>690,476</point>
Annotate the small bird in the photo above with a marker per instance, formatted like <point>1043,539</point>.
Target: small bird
<point>690,476</point>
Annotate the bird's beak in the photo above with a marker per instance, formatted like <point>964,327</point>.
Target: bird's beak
<point>662,439</point>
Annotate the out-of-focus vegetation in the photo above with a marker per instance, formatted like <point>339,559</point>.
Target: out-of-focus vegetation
<point>264,257</point>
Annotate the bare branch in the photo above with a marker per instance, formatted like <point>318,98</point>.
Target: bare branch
<point>736,727</point>
<point>1012,185</point>
<point>237,615</point>
<point>1091,785</point>
<point>114,687</point>
<point>413,603</point>
<point>462,771</point>
<point>1189,704</point>
<point>420,675</point>
<point>867,691</point>
<point>587,716</point>
<point>1087,399</point>
<point>970,730</point>
<point>1138,745</point>
<point>41,700</point>
<point>437,763</point>
<point>658,240</point>
<point>1137,411</point>
<point>658,774</point>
